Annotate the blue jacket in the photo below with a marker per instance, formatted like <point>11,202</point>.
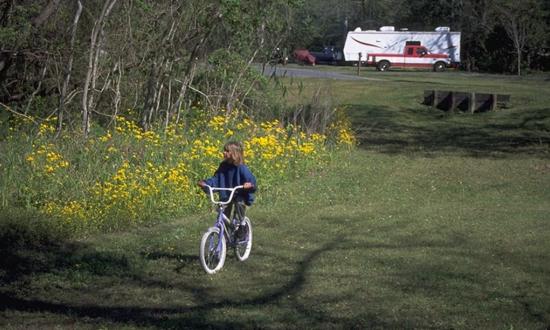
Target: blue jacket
<point>228,176</point>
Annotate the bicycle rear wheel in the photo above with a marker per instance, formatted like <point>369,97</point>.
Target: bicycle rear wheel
<point>212,257</point>
<point>243,238</point>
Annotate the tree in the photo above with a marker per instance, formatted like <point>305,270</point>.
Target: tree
<point>477,22</point>
<point>96,43</point>
<point>68,68</point>
<point>523,22</point>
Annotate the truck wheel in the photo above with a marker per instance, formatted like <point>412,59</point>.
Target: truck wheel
<point>440,66</point>
<point>383,66</point>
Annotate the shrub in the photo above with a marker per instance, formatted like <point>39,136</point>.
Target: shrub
<point>124,175</point>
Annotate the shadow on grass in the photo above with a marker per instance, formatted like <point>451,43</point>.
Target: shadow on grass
<point>429,131</point>
<point>30,253</point>
<point>184,261</point>
<point>29,246</point>
<point>433,271</point>
<point>28,256</point>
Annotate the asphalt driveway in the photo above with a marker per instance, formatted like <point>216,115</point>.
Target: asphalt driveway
<point>307,72</point>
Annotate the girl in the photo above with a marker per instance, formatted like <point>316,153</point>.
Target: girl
<point>233,172</point>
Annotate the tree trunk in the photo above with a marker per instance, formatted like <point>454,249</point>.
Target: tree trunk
<point>155,84</point>
<point>68,70</point>
<point>117,70</point>
<point>231,98</point>
<point>150,93</point>
<point>37,89</point>
<point>176,108</point>
<point>519,61</point>
<point>91,74</point>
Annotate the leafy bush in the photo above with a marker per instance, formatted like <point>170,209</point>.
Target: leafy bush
<point>125,176</point>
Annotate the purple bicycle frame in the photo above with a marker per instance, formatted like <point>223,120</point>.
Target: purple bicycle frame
<point>220,221</point>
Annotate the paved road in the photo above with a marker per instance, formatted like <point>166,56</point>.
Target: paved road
<point>309,72</point>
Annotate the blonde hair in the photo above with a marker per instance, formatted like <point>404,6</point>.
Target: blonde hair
<point>236,152</point>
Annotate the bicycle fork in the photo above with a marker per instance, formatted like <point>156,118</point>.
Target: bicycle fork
<point>220,223</point>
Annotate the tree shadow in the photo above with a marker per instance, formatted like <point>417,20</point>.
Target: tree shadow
<point>436,276</point>
<point>52,254</point>
<point>429,131</point>
<point>163,317</point>
<point>182,261</point>
<point>28,253</point>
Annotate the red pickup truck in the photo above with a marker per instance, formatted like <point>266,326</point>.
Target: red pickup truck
<point>413,56</point>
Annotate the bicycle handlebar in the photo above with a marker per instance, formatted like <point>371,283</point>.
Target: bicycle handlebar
<point>211,191</point>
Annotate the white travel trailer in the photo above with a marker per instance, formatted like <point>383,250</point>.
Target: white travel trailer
<point>387,48</point>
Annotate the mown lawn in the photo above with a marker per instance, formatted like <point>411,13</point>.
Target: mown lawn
<point>435,221</point>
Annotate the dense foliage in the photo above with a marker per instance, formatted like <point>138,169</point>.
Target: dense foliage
<point>88,61</point>
<point>493,31</point>
<point>112,92</point>
<point>126,175</point>
<point>111,110</point>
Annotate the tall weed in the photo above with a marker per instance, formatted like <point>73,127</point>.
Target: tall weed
<point>126,176</point>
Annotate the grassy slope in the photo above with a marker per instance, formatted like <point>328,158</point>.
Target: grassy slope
<point>391,118</point>
<point>403,233</point>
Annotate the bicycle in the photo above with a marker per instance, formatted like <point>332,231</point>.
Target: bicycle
<point>225,232</point>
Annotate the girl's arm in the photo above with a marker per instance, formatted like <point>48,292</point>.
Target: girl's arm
<point>248,178</point>
<point>212,181</point>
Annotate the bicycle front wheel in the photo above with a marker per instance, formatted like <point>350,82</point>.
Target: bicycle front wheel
<point>243,238</point>
<point>212,251</point>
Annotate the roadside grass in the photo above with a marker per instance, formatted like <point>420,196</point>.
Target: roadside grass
<point>390,117</point>
<point>401,233</point>
<point>374,240</point>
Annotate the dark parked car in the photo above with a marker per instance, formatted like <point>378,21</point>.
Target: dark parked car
<point>327,54</point>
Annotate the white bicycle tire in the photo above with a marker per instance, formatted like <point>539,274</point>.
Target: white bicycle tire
<point>205,246</point>
<point>248,248</point>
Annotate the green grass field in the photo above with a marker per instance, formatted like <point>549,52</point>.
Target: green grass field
<point>437,220</point>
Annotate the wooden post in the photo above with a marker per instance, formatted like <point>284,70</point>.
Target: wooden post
<point>359,64</point>
<point>472,102</point>
<point>494,102</point>
<point>453,101</point>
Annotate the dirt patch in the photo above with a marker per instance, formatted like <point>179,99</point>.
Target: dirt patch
<point>543,168</point>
